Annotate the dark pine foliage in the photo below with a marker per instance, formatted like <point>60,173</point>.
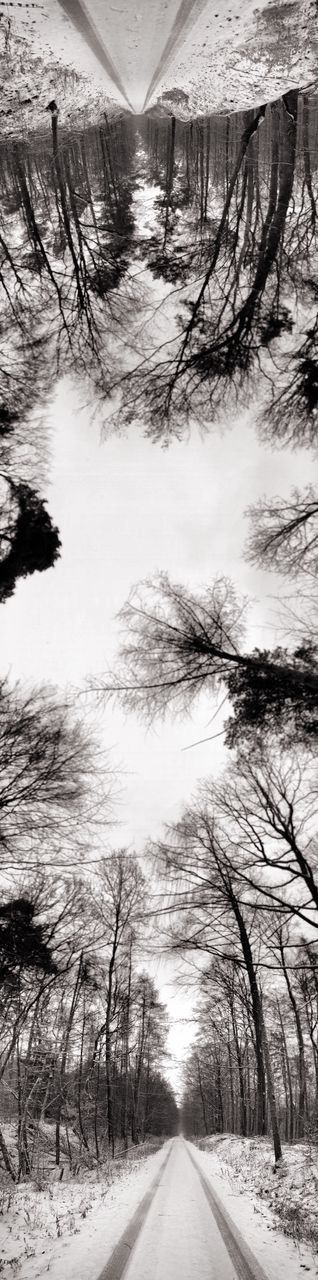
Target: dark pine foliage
<point>35,542</point>
<point>22,942</point>
<point>268,695</point>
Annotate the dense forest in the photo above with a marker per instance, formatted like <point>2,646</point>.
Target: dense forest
<point>217,216</point>
<point>83,1031</point>
<point>171,269</point>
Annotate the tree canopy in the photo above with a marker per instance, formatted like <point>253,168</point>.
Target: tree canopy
<point>30,541</point>
<point>284,533</point>
<point>175,643</point>
<point>23,942</point>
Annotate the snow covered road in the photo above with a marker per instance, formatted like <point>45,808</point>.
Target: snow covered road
<point>133,42</point>
<point>177,1236</point>
<point>224,58</point>
<point>189,57</point>
<point>169,1214</point>
<point>180,1238</point>
<point>84,23</point>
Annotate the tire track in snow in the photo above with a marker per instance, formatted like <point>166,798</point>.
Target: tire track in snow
<point>246,1265</point>
<point>187,15</point>
<point>118,1260</point>
<point>77,13</point>
<point>235,1249</point>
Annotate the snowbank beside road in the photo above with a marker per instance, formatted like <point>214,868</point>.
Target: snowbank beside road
<point>42,57</point>
<point>72,1227</point>
<point>194,58</point>
<point>241,1172</point>
<point>238,55</point>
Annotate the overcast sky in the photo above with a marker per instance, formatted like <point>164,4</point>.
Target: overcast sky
<point>125,509</point>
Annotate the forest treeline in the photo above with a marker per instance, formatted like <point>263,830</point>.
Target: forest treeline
<point>232,238</point>
<point>110,236</point>
<point>83,1032</point>
<point>239,870</point>
<point>232,888</point>
<point>240,875</point>
<point>99,227</point>
<point>242,863</point>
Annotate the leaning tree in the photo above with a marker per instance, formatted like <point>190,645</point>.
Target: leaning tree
<point>176,643</point>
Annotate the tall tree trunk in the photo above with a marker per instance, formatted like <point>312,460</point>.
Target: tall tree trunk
<point>98,1058</point>
<point>69,1025</point>
<point>307,161</point>
<point>206,1129</point>
<point>272,1098</point>
<point>250,1117</point>
<point>23,1152</point>
<point>207,168</point>
<point>6,1157</point>
<point>138,1074</point>
<point>275,230</point>
<point>284,1075</point>
<point>232,1108</point>
<point>80,1081</point>
<point>66,217</point>
<point>301,1045</point>
<point>244,143</point>
<point>220,1099</point>
<point>257,1015</point>
<point>169,178</point>
<point>243,1125</point>
<point>108,1050</point>
<point>289,1079</point>
<point>25,1163</point>
<point>127,1031</point>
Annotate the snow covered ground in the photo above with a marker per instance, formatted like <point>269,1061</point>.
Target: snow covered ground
<point>275,1212</point>
<point>71,1227</point>
<point>43,57</point>
<point>192,56</point>
<point>136,34</point>
<point>237,55</point>
<point>180,1239</point>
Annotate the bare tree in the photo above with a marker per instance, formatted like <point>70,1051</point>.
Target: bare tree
<point>121,890</point>
<point>210,917</point>
<point>48,760</point>
<point>284,533</point>
<point>267,805</point>
<point>176,643</point>
<point>74,1053</point>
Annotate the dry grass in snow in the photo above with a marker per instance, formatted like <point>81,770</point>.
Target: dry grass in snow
<point>36,66</point>
<point>71,1227</point>
<point>239,54</point>
<point>285,1201</point>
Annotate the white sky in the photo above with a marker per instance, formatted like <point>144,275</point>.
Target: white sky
<point>126,508</point>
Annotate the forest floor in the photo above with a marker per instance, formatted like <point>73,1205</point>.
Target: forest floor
<point>238,55</point>
<point>71,1226</point>
<point>191,59</point>
<point>242,1170</point>
<point>42,58</point>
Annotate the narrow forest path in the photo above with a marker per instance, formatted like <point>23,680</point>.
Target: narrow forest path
<point>133,42</point>
<point>82,19</point>
<point>183,57</point>
<point>196,57</point>
<point>181,1230</point>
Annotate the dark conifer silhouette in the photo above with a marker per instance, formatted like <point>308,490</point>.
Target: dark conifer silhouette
<point>22,941</point>
<point>32,540</point>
